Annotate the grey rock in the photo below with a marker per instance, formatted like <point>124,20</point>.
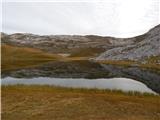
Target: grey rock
<point>144,46</point>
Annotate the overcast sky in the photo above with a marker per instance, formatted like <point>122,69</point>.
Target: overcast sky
<point>119,18</point>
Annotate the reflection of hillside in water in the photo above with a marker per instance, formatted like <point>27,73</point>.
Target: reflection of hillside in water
<point>86,69</point>
<point>151,79</point>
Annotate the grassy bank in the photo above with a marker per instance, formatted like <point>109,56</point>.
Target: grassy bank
<point>150,63</point>
<point>22,57</point>
<point>124,63</point>
<point>87,52</point>
<point>46,102</point>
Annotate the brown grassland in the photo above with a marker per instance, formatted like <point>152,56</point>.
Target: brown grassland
<point>22,102</point>
<point>21,57</point>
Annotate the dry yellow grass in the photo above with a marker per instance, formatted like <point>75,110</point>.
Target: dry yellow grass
<point>87,52</point>
<point>20,57</point>
<point>118,62</point>
<point>76,58</point>
<point>151,66</point>
<point>51,103</point>
<point>125,63</point>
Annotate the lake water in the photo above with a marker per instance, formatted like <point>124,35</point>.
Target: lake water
<point>124,84</point>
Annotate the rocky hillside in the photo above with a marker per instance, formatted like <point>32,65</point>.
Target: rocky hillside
<point>102,48</point>
<point>65,43</point>
<point>141,48</point>
<point>56,43</point>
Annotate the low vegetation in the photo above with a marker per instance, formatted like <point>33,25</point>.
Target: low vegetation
<point>87,52</point>
<point>124,63</point>
<point>21,57</point>
<point>153,59</point>
<point>151,63</point>
<point>48,102</point>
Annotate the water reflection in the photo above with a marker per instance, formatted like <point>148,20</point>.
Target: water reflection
<point>87,69</point>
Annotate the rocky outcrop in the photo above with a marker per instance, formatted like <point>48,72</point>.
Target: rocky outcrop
<point>143,47</point>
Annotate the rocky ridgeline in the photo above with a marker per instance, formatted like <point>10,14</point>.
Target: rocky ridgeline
<point>62,43</point>
<point>136,48</point>
<point>56,43</point>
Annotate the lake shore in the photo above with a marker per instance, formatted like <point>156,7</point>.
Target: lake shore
<point>123,84</point>
<point>46,102</point>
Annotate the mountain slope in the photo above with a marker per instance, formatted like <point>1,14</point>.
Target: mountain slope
<point>136,48</point>
<point>142,48</point>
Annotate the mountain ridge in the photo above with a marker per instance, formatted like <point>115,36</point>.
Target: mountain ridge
<point>134,48</point>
